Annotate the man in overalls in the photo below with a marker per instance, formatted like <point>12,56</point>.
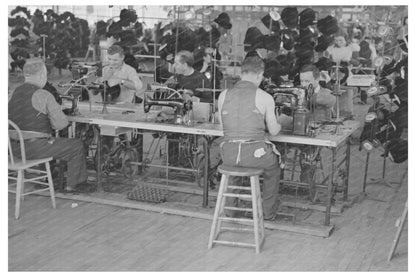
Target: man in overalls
<point>247,114</point>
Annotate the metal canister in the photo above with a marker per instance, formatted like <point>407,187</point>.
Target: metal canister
<point>300,121</point>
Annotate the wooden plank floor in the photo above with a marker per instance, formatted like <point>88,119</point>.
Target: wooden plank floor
<point>94,237</point>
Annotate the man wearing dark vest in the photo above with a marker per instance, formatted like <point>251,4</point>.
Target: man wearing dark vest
<point>247,114</point>
<point>35,109</point>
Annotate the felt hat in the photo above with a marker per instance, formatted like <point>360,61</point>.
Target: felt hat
<point>101,28</point>
<point>275,26</point>
<point>323,43</point>
<point>254,38</point>
<point>304,53</point>
<point>324,64</point>
<point>272,42</point>
<point>285,64</point>
<point>307,18</point>
<point>306,36</point>
<point>223,20</point>
<point>365,51</point>
<point>328,25</point>
<point>271,67</point>
<point>252,53</point>
<point>127,16</point>
<point>289,16</point>
<point>397,149</point>
<point>288,39</point>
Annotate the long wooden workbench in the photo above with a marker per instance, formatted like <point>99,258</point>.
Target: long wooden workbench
<point>332,138</point>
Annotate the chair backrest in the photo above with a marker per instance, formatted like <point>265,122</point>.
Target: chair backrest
<point>15,134</point>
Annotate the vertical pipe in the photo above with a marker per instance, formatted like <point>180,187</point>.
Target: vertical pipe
<point>347,169</point>
<point>330,186</point>
<point>99,183</point>
<point>366,170</point>
<point>206,170</point>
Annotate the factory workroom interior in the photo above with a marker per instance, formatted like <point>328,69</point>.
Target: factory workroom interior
<point>208,138</point>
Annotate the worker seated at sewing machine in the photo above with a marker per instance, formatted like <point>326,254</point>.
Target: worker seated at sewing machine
<point>301,110</point>
<point>120,75</point>
<point>189,78</point>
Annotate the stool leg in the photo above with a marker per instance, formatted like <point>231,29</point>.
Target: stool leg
<point>19,189</point>
<point>254,195</point>
<point>221,211</point>
<point>260,210</point>
<point>219,207</point>
<point>50,182</point>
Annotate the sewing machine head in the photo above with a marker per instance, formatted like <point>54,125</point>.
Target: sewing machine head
<point>293,102</point>
<point>181,104</point>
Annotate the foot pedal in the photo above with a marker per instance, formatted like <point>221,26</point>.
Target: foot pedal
<point>148,194</point>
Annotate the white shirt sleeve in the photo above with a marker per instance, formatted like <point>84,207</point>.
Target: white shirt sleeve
<point>265,104</point>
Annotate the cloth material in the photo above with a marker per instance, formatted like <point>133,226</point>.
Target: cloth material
<point>244,142</point>
<point>126,72</point>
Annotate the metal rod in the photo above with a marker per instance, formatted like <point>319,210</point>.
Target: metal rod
<point>99,182</point>
<point>366,170</point>
<point>330,186</point>
<point>347,169</point>
<point>206,170</point>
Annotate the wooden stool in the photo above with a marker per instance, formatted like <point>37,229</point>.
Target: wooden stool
<point>257,208</point>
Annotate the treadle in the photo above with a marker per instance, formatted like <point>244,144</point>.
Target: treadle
<point>235,243</point>
<point>227,194</point>
<point>238,209</point>
<point>239,187</point>
<point>238,229</point>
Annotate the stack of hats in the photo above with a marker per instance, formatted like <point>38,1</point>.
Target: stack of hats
<point>268,39</point>
<point>328,26</point>
<point>304,47</point>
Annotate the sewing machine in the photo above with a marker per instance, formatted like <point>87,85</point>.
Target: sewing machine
<point>293,101</point>
<point>181,103</point>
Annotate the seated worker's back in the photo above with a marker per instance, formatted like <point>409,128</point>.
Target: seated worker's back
<point>247,114</point>
<point>35,109</point>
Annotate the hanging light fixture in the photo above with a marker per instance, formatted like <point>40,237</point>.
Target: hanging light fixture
<point>383,30</point>
<point>208,10</point>
<point>376,90</point>
<point>189,14</point>
<point>370,117</point>
<point>274,14</point>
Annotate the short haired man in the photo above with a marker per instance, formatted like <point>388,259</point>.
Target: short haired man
<point>322,98</point>
<point>247,114</point>
<point>119,73</point>
<point>187,76</point>
<point>35,109</point>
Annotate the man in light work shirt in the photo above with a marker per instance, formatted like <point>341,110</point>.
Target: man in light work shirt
<point>35,109</point>
<point>119,73</point>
